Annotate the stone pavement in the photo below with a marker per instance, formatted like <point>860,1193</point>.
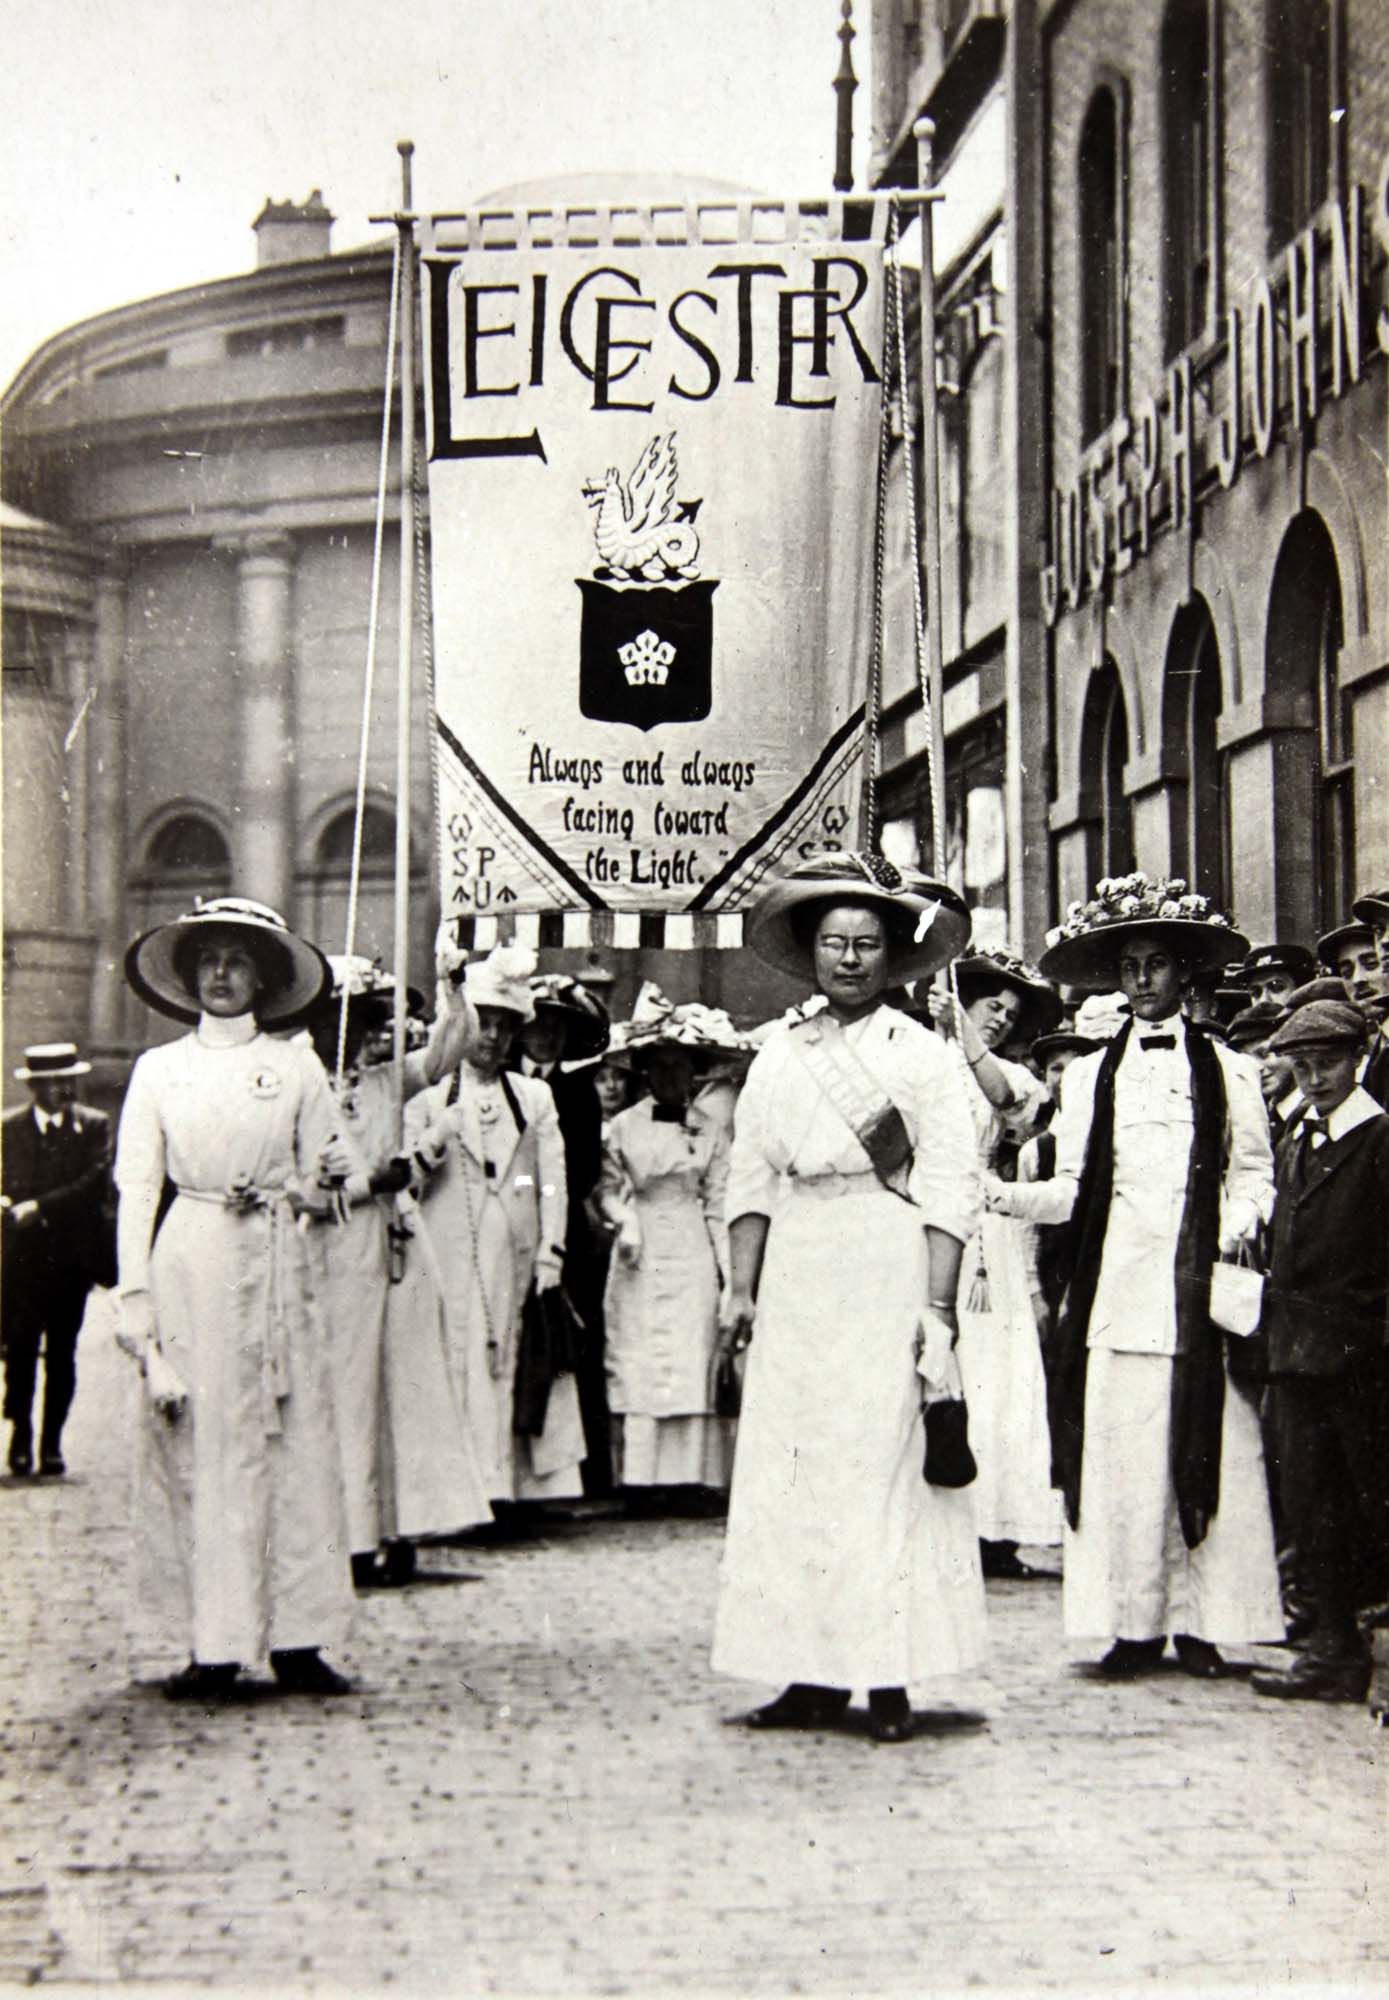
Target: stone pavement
<point>533,1793</point>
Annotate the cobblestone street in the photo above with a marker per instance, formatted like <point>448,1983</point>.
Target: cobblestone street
<point>533,1792</point>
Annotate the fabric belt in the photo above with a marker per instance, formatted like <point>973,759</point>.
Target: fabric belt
<point>827,1187</point>
<point>273,1204</point>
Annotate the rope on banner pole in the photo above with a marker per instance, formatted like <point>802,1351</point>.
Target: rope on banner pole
<point>369,676</point>
<point>870,817</point>
<point>405,239</point>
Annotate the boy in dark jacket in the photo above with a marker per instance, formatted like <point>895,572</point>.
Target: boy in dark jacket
<point>1327,1322</point>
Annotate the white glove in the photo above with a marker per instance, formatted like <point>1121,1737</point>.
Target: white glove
<point>337,1161</point>
<point>547,1274</point>
<point>935,1341</point>
<point>998,1194</point>
<point>1238,1225</point>
<point>135,1332</point>
<point>450,959</point>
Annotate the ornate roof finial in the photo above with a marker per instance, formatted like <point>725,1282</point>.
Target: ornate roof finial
<point>845,84</point>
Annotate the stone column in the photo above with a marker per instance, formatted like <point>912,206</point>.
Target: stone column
<point>263,854</point>
<point>106,807</point>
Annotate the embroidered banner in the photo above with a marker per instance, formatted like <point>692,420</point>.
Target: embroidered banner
<point>653,441</point>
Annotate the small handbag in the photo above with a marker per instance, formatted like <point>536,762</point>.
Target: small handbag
<point>728,1383</point>
<point>949,1461</point>
<point>1237,1295</point>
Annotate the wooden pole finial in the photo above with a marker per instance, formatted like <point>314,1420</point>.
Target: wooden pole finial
<point>845,84</point>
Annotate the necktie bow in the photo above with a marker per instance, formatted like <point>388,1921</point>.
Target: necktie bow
<point>1157,1041</point>
<point>668,1114</point>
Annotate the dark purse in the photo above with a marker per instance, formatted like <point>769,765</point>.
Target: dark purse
<point>949,1460</point>
<point>728,1384</point>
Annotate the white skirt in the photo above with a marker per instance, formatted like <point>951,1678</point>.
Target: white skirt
<point>1001,1363</point>
<point>1128,1574</point>
<point>674,1451</point>
<point>841,1566</point>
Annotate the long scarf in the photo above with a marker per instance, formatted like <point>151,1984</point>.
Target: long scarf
<point>1198,1367</point>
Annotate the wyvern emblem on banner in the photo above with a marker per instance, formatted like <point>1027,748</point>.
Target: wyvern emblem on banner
<point>646,643</point>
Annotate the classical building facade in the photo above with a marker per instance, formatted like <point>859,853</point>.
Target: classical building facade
<point>1190,455</point>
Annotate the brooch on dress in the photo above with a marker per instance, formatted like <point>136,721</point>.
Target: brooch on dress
<point>266,1083</point>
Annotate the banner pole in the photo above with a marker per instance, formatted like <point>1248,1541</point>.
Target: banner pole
<point>405,224</point>
<point>924,132</point>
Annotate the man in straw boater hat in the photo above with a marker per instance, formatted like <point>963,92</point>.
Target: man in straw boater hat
<point>240,1533</point>
<point>851,1195</point>
<point>1162,1165</point>
<point>55,1166</point>
<point>1326,1320</point>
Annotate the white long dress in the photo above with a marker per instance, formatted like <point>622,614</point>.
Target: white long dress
<point>842,1567</point>
<point>1127,1571</point>
<point>408,1464</point>
<point>1000,1351</point>
<point>662,1186</point>
<point>496,1204</point>
<point>240,1542</point>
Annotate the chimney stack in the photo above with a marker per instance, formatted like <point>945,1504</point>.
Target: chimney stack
<point>290,232</point>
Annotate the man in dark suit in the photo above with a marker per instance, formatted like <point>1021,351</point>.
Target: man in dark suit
<point>55,1165</point>
<point>1353,955</point>
<point>1326,1319</point>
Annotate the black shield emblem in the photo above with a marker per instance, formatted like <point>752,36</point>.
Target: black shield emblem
<point>646,651</point>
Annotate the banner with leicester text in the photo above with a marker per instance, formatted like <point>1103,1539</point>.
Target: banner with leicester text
<point>653,437</point>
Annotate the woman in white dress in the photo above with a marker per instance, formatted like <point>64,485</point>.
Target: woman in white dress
<point>851,1195</point>
<point>240,1541</point>
<point>665,1168</point>
<point>1001,998</point>
<point>493,1214</point>
<point>407,1469</point>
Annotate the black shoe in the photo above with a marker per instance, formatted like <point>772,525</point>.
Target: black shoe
<point>1315,1680</point>
<point>368,1572</point>
<point>801,1706</point>
<point>21,1454</point>
<point>1128,1658</point>
<point>1199,1658</point>
<point>303,1670</point>
<point>51,1465</point>
<point>197,1682</point>
<point>398,1563</point>
<point>1001,1559</point>
<point>889,1715</point>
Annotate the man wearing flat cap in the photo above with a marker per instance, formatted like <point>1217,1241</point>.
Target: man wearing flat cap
<point>55,1159</point>
<point>1326,1318</point>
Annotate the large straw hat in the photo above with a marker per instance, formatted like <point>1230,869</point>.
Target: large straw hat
<point>981,971</point>
<point>585,1016</point>
<point>1085,949</point>
<point>928,921</point>
<point>46,1060</point>
<point>368,986</point>
<point>294,973</point>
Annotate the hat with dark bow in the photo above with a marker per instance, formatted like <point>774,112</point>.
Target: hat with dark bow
<point>46,1060</point>
<point>928,923</point>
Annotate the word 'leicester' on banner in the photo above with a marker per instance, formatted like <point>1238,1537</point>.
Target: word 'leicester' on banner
<point>653,438</point>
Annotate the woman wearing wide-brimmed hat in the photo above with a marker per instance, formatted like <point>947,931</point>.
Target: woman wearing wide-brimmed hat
<point>239,1538</point>
<point>1003,999</point>
<point>1163,1160</point>
<point>665,1168</point>
<point>852,1192</point>
<point>407,1467</point>
<point>493,1214</point>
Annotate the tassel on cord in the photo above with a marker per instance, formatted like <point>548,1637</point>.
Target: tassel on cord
<point>980,1298</point>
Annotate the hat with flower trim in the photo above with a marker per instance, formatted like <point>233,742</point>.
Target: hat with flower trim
<point>981,971</point>
<point>1084,949</point>
<point>585,1016</point>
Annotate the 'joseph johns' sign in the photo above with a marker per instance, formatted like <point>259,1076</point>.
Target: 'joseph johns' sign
<point>652,445</point>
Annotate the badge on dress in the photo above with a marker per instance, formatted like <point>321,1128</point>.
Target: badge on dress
<point>266,1083</point>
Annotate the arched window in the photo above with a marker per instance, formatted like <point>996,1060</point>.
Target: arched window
<point>1104,752</point>
<point>1102,260</point>
<point>1301,40</point>
<point>1191,711</point>
<point>1315,778</point>
<point>1189,161</point>
<point>185,857</point>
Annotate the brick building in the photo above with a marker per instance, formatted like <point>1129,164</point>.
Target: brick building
<point>1193,461</point>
